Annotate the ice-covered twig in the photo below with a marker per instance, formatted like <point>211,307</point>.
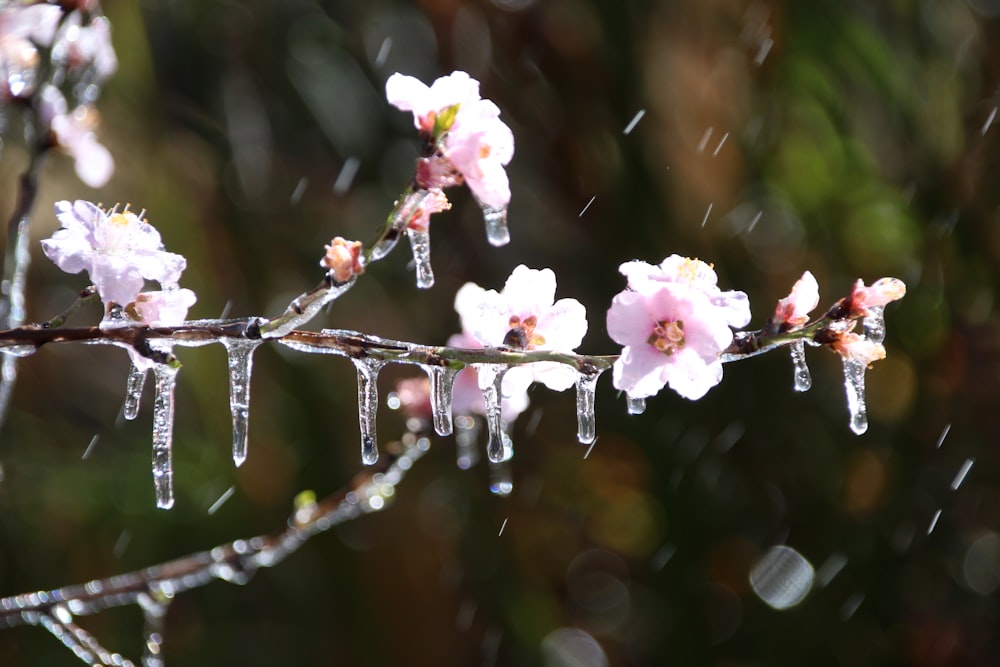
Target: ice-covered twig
<point>153,587</point>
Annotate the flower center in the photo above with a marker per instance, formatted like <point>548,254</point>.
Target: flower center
<point>688,270</point>
<point>521,335</point>
<point>667,336</point>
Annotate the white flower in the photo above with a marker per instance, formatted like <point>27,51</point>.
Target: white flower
<point>525,315</point>
<point>118,250</point>
<point>164,308</point>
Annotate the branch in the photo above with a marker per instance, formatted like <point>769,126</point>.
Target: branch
<point>154,587</point>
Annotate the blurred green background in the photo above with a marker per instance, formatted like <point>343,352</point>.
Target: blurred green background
<point>850,138</point>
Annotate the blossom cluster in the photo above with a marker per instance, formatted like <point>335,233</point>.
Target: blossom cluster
<point>42,43</point>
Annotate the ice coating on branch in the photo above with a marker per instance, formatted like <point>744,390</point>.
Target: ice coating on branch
<point>467,395</point>
<point>133,390</point>
<point>635,406</point>
<point>240,361</point>
<point>119,250</point>
<point>803,379</point>
<point>442,381</point>
<point>368,370</point>
<point>163,435</point>
<point>302,309</point>
<point>525,316</point>
<point>586,383</point>
<point>490,380</point>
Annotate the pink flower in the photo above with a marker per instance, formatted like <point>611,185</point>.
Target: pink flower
<point>118,250</point>
<point>430,201</point>
<point>696,274</point>
<point>881,292</point>
<point>672,334</point>
<point>793,311</point>
<point>467,131</point>
<point>525,316</point>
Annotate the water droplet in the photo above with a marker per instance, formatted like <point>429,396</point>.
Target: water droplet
<point>586,427</point>
<point>133,391</point>
<point>803,380</point>
<point>635,121</point>
<point>491,375</point>
<point>400,220</point>
<point>782,577</point>
<point>163,434</point>
<point>368,370</point>
<point>420,243</point>
<point>496,225</point>
<point>636,406</point>
<point>442,382</point>
<point>854,384</point>
<point>240,359</point>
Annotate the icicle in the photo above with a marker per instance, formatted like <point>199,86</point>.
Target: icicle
<point>501,479</point>
<point>636,406</point>
<point>133,391</point>
<point>240,351</point>
<point>368,369</point>
<point>585,385</point>
<point>163,434</point>
<point>854,383</point>
<point>874,324</point>
<point>496,225</point>
<point>803,380</point>
<point>442,382</point>
<point>492,376</point>
<point>466,437</point>
<point>420,242</point>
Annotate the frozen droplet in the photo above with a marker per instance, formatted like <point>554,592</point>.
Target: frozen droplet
<point>240,351</point>
<point>368,370</point>
<point>133,391</point>
<point>496,225</point>
<point>586,383</point>
<point>466,441</point>
<point>490,379</point>
<point>874,324</point>
<point>636,406</point>
<point>782,577</point>
<point>420,242</point>
<point>854,384</point>
<point>803,380</point>
<point>163,434</point>
<point>442,382</point>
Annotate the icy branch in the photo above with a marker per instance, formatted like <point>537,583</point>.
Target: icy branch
<point>154,587</point>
